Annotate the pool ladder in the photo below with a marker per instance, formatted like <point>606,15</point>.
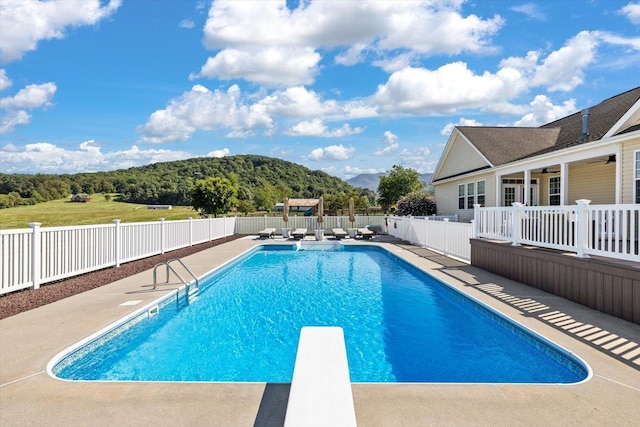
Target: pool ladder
<point>169,268</point>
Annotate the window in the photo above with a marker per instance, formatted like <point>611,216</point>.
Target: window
<point>554,191</point>
<point>470,195</point>
<point>637,177</point>
<point>481,193</point>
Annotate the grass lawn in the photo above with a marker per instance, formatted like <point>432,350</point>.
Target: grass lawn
<point>97,211</point>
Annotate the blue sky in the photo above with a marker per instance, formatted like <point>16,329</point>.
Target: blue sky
<point>346,87</point>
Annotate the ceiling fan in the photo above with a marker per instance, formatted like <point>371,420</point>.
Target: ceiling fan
<point>546,170</point>
<point>610,159</point>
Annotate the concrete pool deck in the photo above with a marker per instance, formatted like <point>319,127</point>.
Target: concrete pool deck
<point>29,396</point>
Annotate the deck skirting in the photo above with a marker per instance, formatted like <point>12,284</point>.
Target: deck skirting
<point>604,285</point>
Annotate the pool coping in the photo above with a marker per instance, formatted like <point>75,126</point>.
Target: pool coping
<point>28,342</point>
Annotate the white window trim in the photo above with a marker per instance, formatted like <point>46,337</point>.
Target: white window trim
<point>465,196</point>
<point>559,193</point>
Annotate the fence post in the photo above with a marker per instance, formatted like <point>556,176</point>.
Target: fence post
<point>446,244</point>
<point>475,221</point>
<point>210,226</point>
<point>190,231</point>
<point>163,237</point>
<point>35,254</point>
<point>117,253</point>
<point>582,227</point>
<point>516,223</point>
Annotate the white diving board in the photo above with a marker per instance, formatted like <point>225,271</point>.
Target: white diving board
<point>320,392</point>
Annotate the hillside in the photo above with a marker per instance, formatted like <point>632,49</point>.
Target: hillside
<point>261,181</point>
<point>371,180</point>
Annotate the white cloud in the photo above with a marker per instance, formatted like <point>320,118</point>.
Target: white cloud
<point>26,22</point>
<point>542,110</point>
<point>14,107</point>
<point>88,157</point>
<point>563,69</point>
<point>391,144</point>
<point>299,102</point>
<point>5,81</point>
<point>531,10</point>
<point>632,12</point>
<point>352,56</point>
<point>445,90</point>
<point>446,131</point>
<point>32,96</point>
<point>267,43</point>
<point>187,23</point>
<point>12,119</point>
<point>219,153</point>
<point>272,66</point>
<point>203,109</point>
<point>418,158</point>
<point>316,127</point>
<point>332,152</point>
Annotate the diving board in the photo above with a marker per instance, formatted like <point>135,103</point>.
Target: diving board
<point>320,392</point>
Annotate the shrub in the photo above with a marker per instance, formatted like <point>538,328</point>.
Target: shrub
<point>416,204</point>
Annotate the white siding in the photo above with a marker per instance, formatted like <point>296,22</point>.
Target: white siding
<point>447,196</point>
<point>462,157</point>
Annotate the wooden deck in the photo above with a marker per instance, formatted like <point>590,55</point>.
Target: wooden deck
<point>605,284</point>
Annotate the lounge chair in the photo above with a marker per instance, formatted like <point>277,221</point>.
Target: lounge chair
<point>299,233</point>
<point>339,233</point>
<point>365,233</point>
<point>267,233</point>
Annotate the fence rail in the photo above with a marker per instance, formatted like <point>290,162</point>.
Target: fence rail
<point>437,233</point>
<point>34,256</point>
<point>605,230</point>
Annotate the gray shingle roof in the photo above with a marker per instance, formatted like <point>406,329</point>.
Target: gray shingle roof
<point>502,145</point>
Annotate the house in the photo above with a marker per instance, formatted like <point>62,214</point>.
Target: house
<point>80,198</point>
<point>592,154</point>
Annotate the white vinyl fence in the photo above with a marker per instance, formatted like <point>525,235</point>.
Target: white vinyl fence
<point>33,256</point>
<point>605,230</point>
<point>252,225</point>
<point>437,233</point>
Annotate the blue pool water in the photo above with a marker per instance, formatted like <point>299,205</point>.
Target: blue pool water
<point>400,325</point>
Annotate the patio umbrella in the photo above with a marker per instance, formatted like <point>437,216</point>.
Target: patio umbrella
<point>320,211</point>
<point>285,210</point>
<point>352,217</point>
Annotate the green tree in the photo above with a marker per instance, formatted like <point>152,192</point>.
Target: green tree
<point>398,183</point>
<point>264,197</point>
<point>214,196</point>
<point>245,206</point>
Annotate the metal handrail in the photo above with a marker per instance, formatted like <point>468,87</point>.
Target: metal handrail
<point>168,266</point>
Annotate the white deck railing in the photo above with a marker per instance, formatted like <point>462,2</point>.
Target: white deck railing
<point>605,230</point>
<point>33,256</point>
<point>437,233</point>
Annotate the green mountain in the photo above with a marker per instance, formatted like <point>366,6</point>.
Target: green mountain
<point>262,180</point>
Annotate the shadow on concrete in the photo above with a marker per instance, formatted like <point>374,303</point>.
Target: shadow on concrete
<point>273,406</point>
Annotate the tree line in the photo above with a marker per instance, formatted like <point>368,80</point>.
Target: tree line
<point>260,183</point>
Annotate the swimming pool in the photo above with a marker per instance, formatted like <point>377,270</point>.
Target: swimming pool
<point>400,325</point>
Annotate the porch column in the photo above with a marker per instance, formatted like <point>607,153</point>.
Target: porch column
<point>618,177</point>
<point>527,188</point>
<point>498,192</point>
<point>564,184</point>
